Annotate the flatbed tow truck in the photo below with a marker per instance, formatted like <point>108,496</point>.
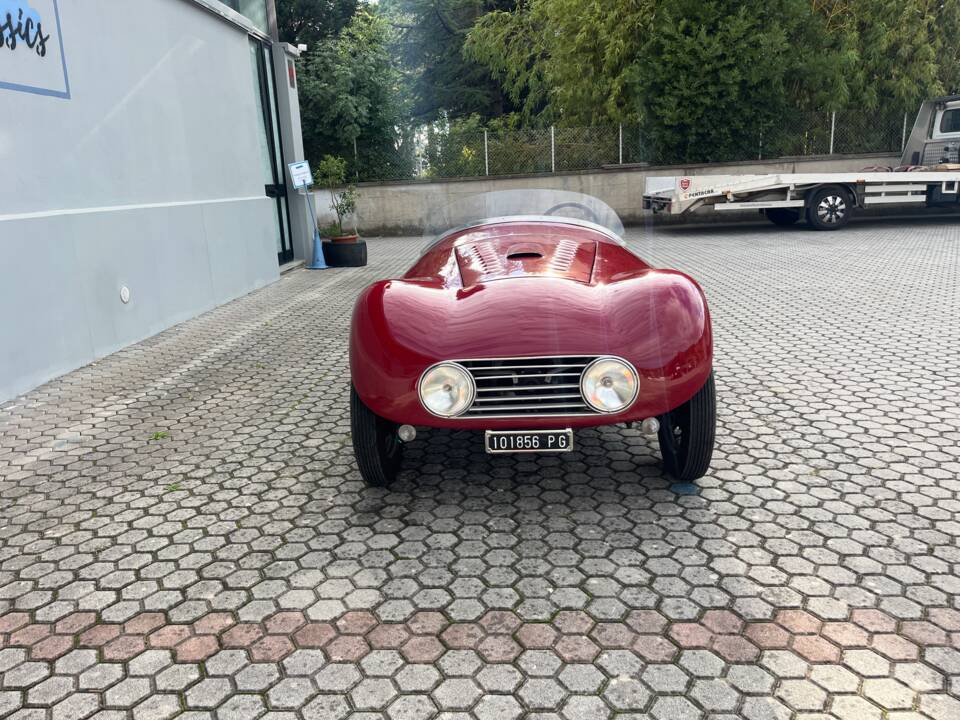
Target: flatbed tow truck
<point>928,176</point>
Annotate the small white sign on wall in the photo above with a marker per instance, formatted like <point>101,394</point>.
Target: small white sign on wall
<point>31,48</point>
<point>300,173</point>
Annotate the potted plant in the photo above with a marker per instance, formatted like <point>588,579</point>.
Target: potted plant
<point>332,176</point>
<point>342,247</point>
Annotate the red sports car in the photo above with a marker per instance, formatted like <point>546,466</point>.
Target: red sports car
<point>529,320</point>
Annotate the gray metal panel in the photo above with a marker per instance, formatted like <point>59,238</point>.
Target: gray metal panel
<point>940,151</point>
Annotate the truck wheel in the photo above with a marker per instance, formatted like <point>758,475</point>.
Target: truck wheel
<point>687,435</point>
<point>829,208</point>
<point>782,217</point>
<point>375,444</point>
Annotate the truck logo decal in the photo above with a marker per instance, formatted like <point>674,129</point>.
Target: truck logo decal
<point>685,183</point>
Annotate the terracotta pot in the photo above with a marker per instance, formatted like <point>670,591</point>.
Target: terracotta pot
<point>345,238</point>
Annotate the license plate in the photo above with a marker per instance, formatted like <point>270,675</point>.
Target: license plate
<point>516,441</point>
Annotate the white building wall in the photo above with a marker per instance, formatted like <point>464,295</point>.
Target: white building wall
<point>148,176</point>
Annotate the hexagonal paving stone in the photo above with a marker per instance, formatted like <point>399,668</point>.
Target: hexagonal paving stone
<point>582,707</point>
<point>372,694</point>
<point>802,695</point>
<point>675,708</point>
<point>411,707</point>
<point>715,695</point>
<point>665,678</point>
<point>541,694</point>
<point>626,694</point>
<point>456,694</point>
<point>581,678</point>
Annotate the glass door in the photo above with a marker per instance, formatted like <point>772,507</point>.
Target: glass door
<point>271,149</point>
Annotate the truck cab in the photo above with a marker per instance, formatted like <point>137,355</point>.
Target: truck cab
<point>935,139</point>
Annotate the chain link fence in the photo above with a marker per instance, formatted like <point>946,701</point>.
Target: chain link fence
<point>430,152</point>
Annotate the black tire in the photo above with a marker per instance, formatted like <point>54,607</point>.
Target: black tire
<point>782,217</point>
<point>687,435</point>
<point>376,446</point>
<point>829,208</point>
<point>351,254</point>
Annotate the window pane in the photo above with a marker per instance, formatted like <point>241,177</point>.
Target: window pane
<point>271,94</point>
<point>254,10</point>
<point>950,122</point>
<point>268,178</point>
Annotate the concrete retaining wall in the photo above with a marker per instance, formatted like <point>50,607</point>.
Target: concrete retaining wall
<point>399,208</point>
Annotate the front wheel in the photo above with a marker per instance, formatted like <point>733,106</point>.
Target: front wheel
<point>829,208</point>
<point>687,435</point>
<point>375,444</point>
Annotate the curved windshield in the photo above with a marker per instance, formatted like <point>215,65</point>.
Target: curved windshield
<point>540,204</point>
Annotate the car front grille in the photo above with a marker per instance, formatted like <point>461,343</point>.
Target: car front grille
<point>536,387</point>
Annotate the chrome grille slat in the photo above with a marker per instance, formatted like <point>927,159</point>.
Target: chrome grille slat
<point>527,367</point>
<point>500,388</point>
<point>538,406</point>
<point>525,398</point>
<point>528,391</point>
<point>526,375</point>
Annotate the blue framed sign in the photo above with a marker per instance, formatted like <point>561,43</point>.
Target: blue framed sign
<point>31,48</point>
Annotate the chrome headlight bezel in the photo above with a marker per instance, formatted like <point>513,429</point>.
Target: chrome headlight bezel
<point>470,385</point>
<point>631,370</point>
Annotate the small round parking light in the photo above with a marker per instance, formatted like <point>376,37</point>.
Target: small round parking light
<point>650,426</point>
<point>447,390</point>
<point>609,384</point>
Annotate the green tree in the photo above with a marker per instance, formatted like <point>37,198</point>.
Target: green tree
<point>704,76</point>
<point>350,100</point>
<point>438,79</point>
<point>310,21</point>
<point>908,50</point>
<point>568,61</point>
<point>714,76</point>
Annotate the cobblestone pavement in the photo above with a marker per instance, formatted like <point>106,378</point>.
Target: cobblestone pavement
<point>184,533</point>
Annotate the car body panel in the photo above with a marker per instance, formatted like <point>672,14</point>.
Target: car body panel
<point>530,289</point>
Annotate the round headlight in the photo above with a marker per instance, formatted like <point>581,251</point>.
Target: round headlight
<point>609,384</point>
<point>447,390</point>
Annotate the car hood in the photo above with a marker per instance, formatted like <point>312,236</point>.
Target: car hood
<point>650,318</point>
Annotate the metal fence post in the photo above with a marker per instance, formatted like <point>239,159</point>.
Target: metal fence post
<point>621,143</point>
<point>903,138</point>
<point>553,150</point>
<point>833,129</point>
<point>486,153</point>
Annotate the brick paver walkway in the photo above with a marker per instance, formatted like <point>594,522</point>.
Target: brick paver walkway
<point>183,532</point>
